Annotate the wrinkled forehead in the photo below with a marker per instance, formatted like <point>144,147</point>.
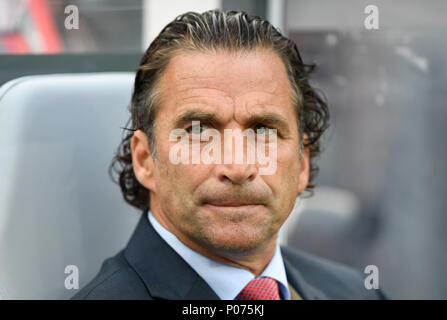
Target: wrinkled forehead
<point>233,74</point>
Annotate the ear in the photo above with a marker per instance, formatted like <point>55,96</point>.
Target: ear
<point>142,162</point>
<point>303,178</point>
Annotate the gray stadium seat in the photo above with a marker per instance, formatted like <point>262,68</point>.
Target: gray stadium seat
<point>58,206</point>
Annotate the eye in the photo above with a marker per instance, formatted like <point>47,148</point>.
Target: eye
<point>197,128</point>
<point>263,129</point>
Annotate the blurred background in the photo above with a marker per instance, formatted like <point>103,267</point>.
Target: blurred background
<point>381,195</point>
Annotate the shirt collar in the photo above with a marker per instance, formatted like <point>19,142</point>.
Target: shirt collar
<point>227,281</point>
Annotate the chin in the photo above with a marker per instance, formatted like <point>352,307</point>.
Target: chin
<point>233,240</point>
<point>234,231</point>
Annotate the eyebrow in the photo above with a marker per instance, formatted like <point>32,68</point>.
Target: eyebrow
<point>271,119</point>
<point>267,118</point>
<point>195,115</point>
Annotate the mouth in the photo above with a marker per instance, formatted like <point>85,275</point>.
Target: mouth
<point>233,207</point>
<point>232,204</point>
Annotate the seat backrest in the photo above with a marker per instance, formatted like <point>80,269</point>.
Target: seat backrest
<point>58,206</point>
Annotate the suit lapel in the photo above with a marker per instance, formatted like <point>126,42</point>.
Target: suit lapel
<point>304,289</point>
<point>165,274</point>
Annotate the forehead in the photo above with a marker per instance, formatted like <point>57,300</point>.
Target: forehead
<point>257,75</point>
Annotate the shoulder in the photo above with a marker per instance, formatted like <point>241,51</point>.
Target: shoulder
<point>115,280</point>
<point>335,280</point>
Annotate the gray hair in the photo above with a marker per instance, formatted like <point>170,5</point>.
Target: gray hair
<point>211,31</point>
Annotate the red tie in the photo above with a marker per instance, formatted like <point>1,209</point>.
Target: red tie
<point>260,289</point>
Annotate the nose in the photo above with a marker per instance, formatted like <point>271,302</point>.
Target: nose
<point>236,173</point>
<point>238,165</point>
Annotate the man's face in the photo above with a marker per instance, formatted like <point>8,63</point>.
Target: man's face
<point>225,207</point>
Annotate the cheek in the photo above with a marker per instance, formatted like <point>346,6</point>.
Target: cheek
<point>178,181</point>
<point>288,162</point>
<point>285,182</point>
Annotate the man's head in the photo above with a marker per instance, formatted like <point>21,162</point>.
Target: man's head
<point>228,71</point>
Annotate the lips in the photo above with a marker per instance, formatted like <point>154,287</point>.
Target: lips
<point>232,208</point>
<point>232,204</point>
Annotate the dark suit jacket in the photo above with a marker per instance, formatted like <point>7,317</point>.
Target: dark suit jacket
<point>148,268</point>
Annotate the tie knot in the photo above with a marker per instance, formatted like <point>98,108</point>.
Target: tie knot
<point>260,289</point>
